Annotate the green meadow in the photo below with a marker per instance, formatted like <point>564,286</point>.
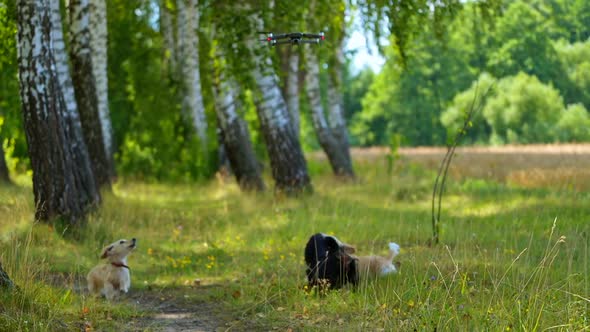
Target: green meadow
<point>511,257</point>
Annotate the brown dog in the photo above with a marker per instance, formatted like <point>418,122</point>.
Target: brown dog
<point>377,266</point>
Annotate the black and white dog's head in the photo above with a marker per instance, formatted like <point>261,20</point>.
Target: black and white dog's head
<point>329,261</point>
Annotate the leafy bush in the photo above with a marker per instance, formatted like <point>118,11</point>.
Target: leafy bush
<point>523,110</point>
<point>454,116</point>
<point>576,61</point>
<point>574,124</point>
<point>519,110</point>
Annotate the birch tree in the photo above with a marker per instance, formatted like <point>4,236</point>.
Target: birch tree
<point>85,89</point>
<point>293,88</point>
<point>167,31</point>
<point>235,136</point>
<point>188,52</point>
<point>4,178</point>
<point>288,164</point>
<point>58,183</point>
<point>98,47</point>
<point>70,115</point>
<point>341,166</point>
<point>336,119</point>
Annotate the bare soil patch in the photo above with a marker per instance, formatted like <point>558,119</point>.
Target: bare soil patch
<point>176,309</point>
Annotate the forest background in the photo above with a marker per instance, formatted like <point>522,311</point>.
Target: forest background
<point>536,54</point>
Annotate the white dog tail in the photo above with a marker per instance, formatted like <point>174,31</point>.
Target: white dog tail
<point>393,250</point>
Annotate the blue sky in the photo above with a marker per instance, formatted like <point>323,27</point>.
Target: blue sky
<point>365,55</point>
<point>361,42</point>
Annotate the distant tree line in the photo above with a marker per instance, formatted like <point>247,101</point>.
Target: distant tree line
<point>537,53</point>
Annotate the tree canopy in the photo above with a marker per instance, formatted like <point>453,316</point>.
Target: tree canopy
<point>435,53</point>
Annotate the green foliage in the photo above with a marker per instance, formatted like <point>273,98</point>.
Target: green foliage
<point>409,100</point>
<point>521,42</point>
<point>354,87</point>
<point>454,116</point>
<point>156,140</point>
<point>520,109</point>
<point>574,124</point>
<point>372,125</point>
<point>568,19</point>
<point>424,100</point>
<point>11,133</point>
<point>523,110</point>
<point>406,20</point>
<point>575,59</point>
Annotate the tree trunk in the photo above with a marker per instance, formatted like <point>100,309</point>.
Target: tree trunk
<point>86,91</point>
<point>71,117</point>
<point>289,168</point>
<point>58,181</point>
<point>236,138</point>
<point>293,88</point>
<point>5,281</point>
<point>188,16</point>
<point>167,31</point>
<point>336,110</point>
<point>336,104</point>
<point>4,176</point>
<point>98,46</point>
<point>223,159</point>
<point>341,165</point>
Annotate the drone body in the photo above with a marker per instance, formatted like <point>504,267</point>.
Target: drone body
<point>293,38</point>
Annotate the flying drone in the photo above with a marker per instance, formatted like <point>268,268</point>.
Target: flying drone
<point>293,38</point>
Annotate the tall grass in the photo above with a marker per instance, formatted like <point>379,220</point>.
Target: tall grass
<point>511,258</point>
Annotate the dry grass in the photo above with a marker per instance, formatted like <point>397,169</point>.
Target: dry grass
<point>531,166</point>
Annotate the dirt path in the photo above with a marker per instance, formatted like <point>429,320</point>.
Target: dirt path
<point>176,309</point>
<point>168,309</point>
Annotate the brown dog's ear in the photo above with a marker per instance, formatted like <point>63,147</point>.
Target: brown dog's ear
<point>105,252</point>
<point>348,248</point>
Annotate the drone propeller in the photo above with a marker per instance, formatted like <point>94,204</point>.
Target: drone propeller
<point>313,35</point>
<point>294,42</point>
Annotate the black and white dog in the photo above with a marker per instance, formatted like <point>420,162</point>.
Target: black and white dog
<point>329,262</point>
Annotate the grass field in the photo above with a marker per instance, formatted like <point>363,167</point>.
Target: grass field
<point>515,251</point>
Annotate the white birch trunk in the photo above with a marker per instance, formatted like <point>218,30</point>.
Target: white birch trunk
<point>167,31</point>
<point>181,30</point>
<point>71,115</point>
<point>335,106</point>
<point>312,88</point>
<point>61,61</point>
<point>272,105</point>
<point>235,136</point>
<point>335,99</point>
<point>320,125</point>
<point>188,15</point>
<point>332,147</point>
<point>289,168</point>
<point>293,89</point>
<point>336,117</point>
<point>62,186</point>
<point>86,91</point>
<point>225,103</point>
<point>98,46</point>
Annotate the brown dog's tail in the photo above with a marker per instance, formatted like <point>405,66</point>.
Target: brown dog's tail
<point>393,251</point>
